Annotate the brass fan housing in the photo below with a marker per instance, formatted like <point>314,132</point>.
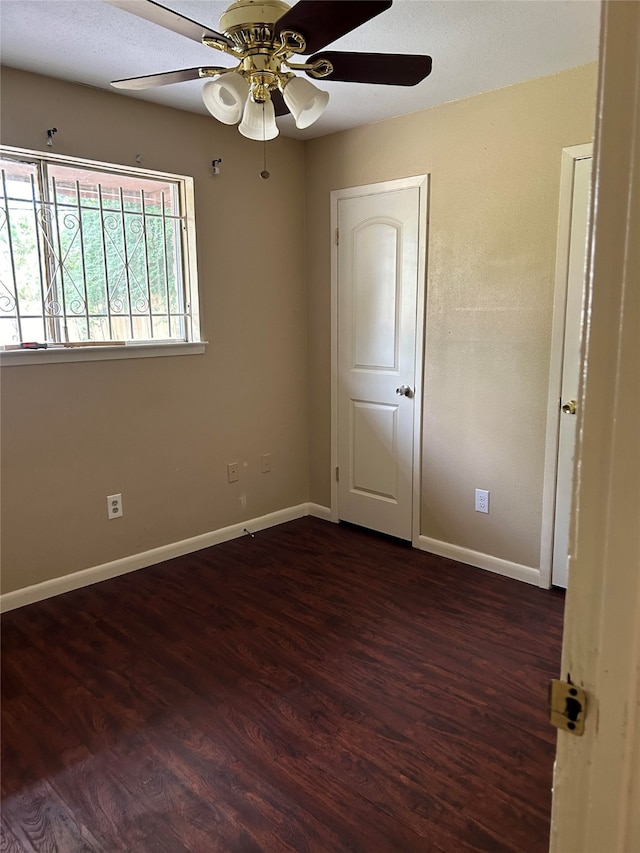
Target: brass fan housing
<point>249,23</point>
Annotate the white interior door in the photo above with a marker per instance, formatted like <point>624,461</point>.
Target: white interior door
<point>571,367</point>
<point>378,262</point>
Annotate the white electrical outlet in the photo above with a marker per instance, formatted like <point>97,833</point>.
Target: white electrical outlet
<point>266,463</point>
<point>114,506</point>
<point>233,473</point>
<point>482,500</point>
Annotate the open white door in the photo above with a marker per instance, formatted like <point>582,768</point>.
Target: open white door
<point>577,204</point>
<point>596,790</point>
<point>379,306</point>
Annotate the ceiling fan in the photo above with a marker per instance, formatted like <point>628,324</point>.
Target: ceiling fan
<point>264,37</point>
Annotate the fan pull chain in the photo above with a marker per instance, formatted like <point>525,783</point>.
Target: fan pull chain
<point>264,174</point>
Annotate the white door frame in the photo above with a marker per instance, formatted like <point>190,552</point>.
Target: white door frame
<point>569,157</point>
<point>422,183</point>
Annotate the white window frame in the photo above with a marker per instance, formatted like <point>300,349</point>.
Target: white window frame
<point>135,349</point>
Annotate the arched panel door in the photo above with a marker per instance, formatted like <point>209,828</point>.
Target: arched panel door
<point>377,316</point>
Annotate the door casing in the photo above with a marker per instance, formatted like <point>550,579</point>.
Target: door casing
<point>422,183</point>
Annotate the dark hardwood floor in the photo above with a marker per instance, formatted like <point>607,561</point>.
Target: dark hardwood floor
<point>315,688</point>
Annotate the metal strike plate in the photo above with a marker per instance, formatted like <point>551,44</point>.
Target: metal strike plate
<point>567,706</point>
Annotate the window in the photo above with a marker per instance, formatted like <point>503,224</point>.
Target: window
<point>93,254</point>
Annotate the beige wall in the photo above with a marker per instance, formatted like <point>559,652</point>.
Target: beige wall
<point>162,430</point>
<point>494,162</point>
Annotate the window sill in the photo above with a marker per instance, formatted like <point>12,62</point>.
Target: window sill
<point>64,355</point>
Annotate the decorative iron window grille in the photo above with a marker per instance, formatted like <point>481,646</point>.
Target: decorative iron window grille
<point>94,254</point>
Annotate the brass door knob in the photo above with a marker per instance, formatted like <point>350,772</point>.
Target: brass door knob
<point>569,408</point>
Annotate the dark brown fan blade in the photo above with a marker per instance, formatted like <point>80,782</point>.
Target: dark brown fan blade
<point>163,79</point>
<point>157,14</point>
<point>392,69</point>
<point>279,104</point>
<point>321,22</point>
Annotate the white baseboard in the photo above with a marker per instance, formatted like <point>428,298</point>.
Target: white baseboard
<point>85,577</point>
<point>480,560</point>
<point>318,511</point>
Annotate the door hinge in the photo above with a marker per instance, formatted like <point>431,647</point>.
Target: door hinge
<point>567,706</point>
<point>337,474</point>
<point>337,236</point>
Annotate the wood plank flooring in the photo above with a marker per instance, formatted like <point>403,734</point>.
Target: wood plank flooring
<point>315,688</point>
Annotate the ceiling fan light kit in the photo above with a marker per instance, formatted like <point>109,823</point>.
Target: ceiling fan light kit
<point>305,102</point>
<point>264,36</point>
<point>259,120</point>
<point>226,97</point>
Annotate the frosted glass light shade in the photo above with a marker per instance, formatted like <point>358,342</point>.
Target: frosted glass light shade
<point>305,101</point>
<point>259,121</point>
<point>225,97</point>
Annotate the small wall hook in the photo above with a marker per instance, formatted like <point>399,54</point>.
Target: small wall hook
<point>138,159</point>
<point>50,134</point>
<point>215,166</point>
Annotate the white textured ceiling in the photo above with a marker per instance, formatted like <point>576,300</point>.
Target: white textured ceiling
<point>476,45</point>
